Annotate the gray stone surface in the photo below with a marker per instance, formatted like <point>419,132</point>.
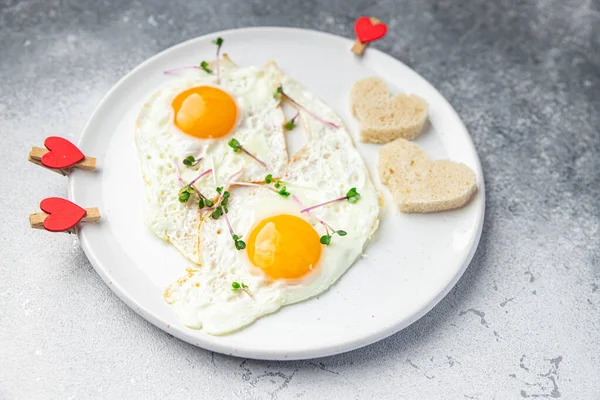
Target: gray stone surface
<point>524,321</point>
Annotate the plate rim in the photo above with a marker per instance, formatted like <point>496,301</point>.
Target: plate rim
<point>341,347</point>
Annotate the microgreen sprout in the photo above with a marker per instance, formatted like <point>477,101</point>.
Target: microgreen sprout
<point>279,93</point>
<point>187,190</point>
<point>185,193</point>
<point>239,243</point>
<point>219,42</point>
<point>237,240</point>
<point>204,202</point>
<point>237,147</point>
<point>326,239</point>
<point>216,213</point>
<point>220,205</point>
<point>279,189</point>
<point>283,192</point>
<point>240,286</point>
<point>190,161</point>
<point>352,196</point>
<point>268,179</point>
<point>291,124</point>
<point>329,231</point>
<point>204,66</point>
<point>222,208</point>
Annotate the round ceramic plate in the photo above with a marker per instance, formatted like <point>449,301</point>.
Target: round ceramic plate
<point>410,264</point>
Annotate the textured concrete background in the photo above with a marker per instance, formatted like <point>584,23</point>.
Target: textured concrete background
<point>524,321</point>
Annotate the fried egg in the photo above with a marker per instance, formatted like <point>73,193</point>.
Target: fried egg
<point>284,261</point>
<point>193,115</point>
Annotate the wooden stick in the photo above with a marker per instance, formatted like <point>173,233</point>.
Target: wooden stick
<point>36,154</point>
<point>359,47</point>
<point>37,220</point>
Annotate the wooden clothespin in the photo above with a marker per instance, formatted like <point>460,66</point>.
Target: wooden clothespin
<point>60,156</point>
<point>61,215</point>
<point>367,29</point>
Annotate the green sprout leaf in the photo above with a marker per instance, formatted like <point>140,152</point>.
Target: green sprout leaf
<point>235,145</point>
<point>269,178</point>
<point>290,124</point>
<point>353,196</point>
<point>201,203</point>
<point>278,92</point>
<point>185,193</point>
<point>208,203</point>
<point>204,66</point>
<point>278,184</point>
<point>218,41</point>
<point>341,233</point>
<point>189,161</point>
<point>325,239</point>
<point>216,213</point>
<point>184,197</point>
<point>219,189</point>
<point>240,244</point>
<point>235,286</point>
<point>244,286</point>
<point>283,192</point>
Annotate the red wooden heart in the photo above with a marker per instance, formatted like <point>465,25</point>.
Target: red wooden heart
<point>64,215</point>
<point>62,153</point>
<point>366,31</point>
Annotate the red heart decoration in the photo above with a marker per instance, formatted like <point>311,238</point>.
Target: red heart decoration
<point>366,31</point>
<point>64,215</point>
<point>62,153</point>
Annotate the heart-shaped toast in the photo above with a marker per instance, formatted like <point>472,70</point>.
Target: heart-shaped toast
<point>62,154</point>
<point>368,30</point>
<point>64,215</point>
<point>420,185</point>
<point>383,118</point>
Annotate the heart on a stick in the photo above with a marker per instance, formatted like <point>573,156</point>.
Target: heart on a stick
<point>420,185</point>
<point>61,154</point>
<point>63,214</point>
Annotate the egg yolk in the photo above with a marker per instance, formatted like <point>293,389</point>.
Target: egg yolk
<point>205,112</point>
<point>284,247</point>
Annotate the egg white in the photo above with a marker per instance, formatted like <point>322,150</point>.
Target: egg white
<point>325,169</point>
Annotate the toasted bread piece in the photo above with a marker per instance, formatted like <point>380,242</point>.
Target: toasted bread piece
<point>420,185</point>
<point>383,118</point>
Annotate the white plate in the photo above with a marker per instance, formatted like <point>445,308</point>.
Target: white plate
<point>411,263</point>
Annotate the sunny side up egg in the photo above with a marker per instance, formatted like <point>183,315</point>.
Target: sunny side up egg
<point>195,116</point>
<point>284,261</point>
